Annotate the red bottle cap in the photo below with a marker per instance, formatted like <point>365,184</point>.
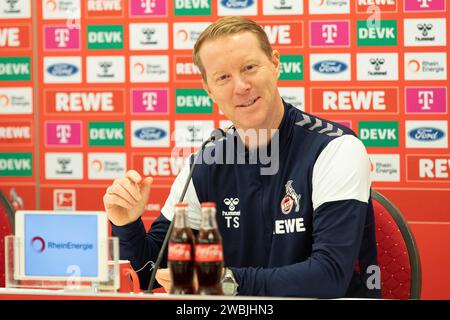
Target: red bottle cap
<point>208,204</point>
<point>181,204</point>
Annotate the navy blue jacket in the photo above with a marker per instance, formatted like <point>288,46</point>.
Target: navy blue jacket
<point>293,226</point>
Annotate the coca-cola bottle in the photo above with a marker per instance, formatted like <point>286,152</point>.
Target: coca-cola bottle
<point>209,253</point>
<point>181,253</point>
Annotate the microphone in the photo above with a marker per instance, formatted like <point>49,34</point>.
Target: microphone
<point>215,135</point>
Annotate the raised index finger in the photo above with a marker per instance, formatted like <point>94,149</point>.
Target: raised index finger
<point>134,176</point>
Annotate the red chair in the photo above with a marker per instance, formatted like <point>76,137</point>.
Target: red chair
<point>398,255</point>
<point>6,229</point>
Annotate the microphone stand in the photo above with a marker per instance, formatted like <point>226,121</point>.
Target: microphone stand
<point>215,135</point>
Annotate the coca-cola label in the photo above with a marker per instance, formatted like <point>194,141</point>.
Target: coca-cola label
<point>208,253</point>
<point>179,252</point>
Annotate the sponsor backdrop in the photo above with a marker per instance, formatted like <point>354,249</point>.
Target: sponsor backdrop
<point>90,89</point>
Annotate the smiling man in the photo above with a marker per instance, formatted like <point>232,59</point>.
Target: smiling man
<point>305,230</point>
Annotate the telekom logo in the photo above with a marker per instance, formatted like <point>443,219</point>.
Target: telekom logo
<point>329,32</point>
<point>425,99</point>
<point>63,133</point>
<point>424,3</point>
<point>62,37</point>
<point>150,100</point>
<point>148,5</point>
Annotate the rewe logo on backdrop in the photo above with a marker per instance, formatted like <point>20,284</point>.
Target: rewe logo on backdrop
<point>186,70</point>
<point>356,100</point>
<point>15,132</point>
<point>289,34</point>
<point>105,8</point>
<point>426,167</point>
<point>84,101</point>
<point>14,37</point>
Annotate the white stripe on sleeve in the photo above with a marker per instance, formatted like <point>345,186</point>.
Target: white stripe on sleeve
<point>194,209</point>
<point>341,172</point>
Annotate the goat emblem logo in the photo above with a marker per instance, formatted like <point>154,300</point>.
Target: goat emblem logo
<point>290,199</point>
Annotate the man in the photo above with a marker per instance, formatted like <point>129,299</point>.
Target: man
<point>306,229</point>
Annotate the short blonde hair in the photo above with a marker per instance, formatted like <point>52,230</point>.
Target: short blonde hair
<point>229,26</point>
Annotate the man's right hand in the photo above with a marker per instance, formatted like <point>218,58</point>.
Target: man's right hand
<point>126,198</point>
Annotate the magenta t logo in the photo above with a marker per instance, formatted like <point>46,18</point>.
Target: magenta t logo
<point>329,33</point>
<point>61,38</point>
<point>38,244</point>
<point>63,134</point>
<point>424,5</point>
<point>426,100</point>
<point>149,100</point>
<point>148,7</point>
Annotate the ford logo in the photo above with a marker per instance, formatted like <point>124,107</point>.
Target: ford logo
<point>237,4</point>
<point>426,134</point>
<point>62,70</point>
<point>330,67</point>
<point>150,133</point>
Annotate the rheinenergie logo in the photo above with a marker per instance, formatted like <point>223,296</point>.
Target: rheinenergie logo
<point>39,244</point>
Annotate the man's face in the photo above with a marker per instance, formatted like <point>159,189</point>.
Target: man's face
<point>242,80</point>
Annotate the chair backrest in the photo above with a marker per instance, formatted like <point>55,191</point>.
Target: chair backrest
<point>6,227</point>
<point>398,256</point>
